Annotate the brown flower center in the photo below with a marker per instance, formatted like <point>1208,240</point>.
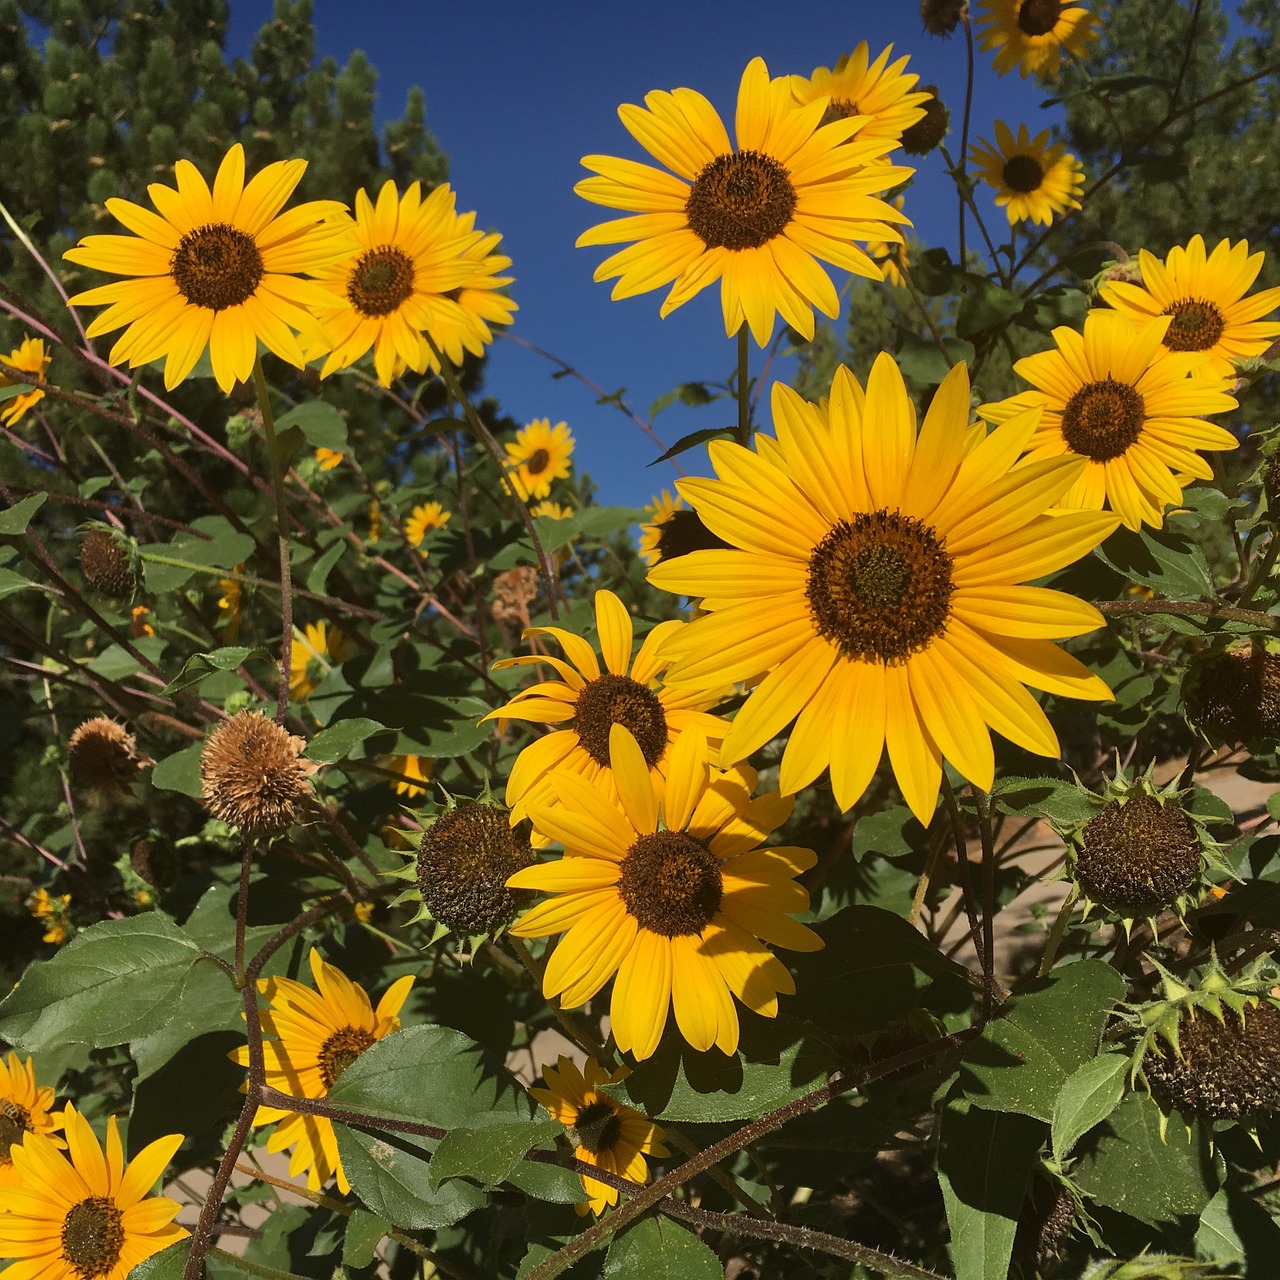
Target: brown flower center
<point>380,281</point>
<point>536,462</point>
<point>609,700</point>
<point>840,109</point>
<point>93,1237</point>
<point>1039,17</point>
<point>1103,419</point>
<point>1196,325</point>
<point>340,1050</point>
<point>14,1122</point>
<point>597,1127</point>
<point>1023,174</point>
<point>740,201</point>
<point>880,586</point>
<point>216,266</point>
<point>671,884</point>
<point>923,136</point>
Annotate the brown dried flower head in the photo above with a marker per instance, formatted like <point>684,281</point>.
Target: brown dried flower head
<point>1234,697</point>
<point>923,136</point>
<point>105,564</point>
<point>104,755</point>
<point>941,17</point>
<point>1271,486</point>
<point>513,591</point>
<point>252,773</point>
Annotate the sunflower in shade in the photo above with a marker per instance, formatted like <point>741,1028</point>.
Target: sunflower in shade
<point>25,1107</point>
<point>1032,178</point>
<point>856,86</point>
<point>1205,296</point>
<point>604,1131</point>
<point>673,530</point>
<point>31,357</point>
<point>1031,34</point>
<point>539,454</point>
<point>414,774</point>
<point>315,652</point>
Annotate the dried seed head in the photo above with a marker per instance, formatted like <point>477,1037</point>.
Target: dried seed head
<point>923,136</point>
<point>1234,697</point>
<point>1271,486</point>
<point>1044,1223</point>
<point>513,591</point>
<point>103,755</point>
<point>105,564</point>
<point>252,773</point>
<point>941,17</point>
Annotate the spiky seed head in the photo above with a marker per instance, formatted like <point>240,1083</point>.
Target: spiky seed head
<point>106,565</point>
<point>252,774</point>
<point>1233,698</point>
<point>1271,485</point>
<point>926,134</point>
<point>103,755</point>
<point>1045,1222</point>
<point>941,17</point>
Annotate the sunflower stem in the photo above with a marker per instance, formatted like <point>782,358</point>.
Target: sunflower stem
<point>282,538</point>
<point>983,802</point>
<point>1056,933</point>
<point>964,130</point>
<point>744,389</point>
<point>242,912</point>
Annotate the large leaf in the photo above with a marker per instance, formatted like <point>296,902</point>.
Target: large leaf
<point>1164,559</point>
<point>1087,1097</point>
<point>14,519</point>
<point>490,1152</point>
<point>659,1249</point>
<point>220,547</point>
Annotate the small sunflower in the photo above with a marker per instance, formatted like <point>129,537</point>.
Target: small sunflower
<point>408,257</point>
<point>52,909</point>
<point>214,269</point>
<point>539,455</point>
<point>86,1214</point>
<point>1134,413</point>
<point>229,606</point>
<point>757,218</point>
<point>423,519</point>
<point>314,1037</point>
<point>588,703</point>
<point>605,1132</point>
<point>856,86</point>
<point>889,564</point>
<point>889,255</point>
<point>661,509</point>
<point>1031,34</point>
<point>32,358</point>
<point>415,774</point>
<point>673,530</point>
<point>1205,296</point>
<point>1033,178</point>
<point>327,459</point>
<point>315,652</point>
<point>24,1108</point>
<point>555,511</point>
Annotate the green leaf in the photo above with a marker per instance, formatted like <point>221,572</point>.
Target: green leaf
<point>1043,798</point>
<point>891,833</point>
<point>221,547</point>
<point>1087,1097</point>
<point>168,1264</point>
<point>1163,559</point>
<point>365,1232</point>
<point>932,272</point>
<point>15,519</point>
<point>921,359</point>
<point>1234,1227</point>
<point>10,581</point>
<point>984,1167</point>
<point>113,982</point>
<point>694,394</point>
<point>488,1153</point>
<point>693,440</point>
<point>180,771</point>
<point>1023,1057</point>
<point>322,425</point>
<point>200,665</point>
<point>548,1182</point>
<point>319,572</point>
<point>986,307</point>
<point>335,744</point>
<point>659,1249</point>
<point>116,661</point>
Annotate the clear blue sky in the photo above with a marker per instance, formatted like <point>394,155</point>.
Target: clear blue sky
<point>518,92</point>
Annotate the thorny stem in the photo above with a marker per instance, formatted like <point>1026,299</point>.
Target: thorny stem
<point>983,802</point>
<point>1191,609</point>
<point>744,388</point>
<point>962,863</point>
<point>282,539</point>
<point>964,129</point>
<point>242,912</point>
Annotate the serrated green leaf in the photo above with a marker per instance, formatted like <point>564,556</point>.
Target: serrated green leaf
<point>180,771</point>
<point>365,1231</point>
<point>1087,1097</point>
<point>659,1249</point>
<point>14,520</point>
<point>1165,560</point>
<point>488,1153</point>
<point>335,744</point>
<point>1044,798</point>
<point>200,665</point>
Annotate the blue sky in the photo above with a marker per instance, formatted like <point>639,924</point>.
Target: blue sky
<point>518,92</point>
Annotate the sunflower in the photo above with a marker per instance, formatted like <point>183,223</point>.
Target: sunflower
<point>666,887</point>
<point>888,565</point>
<point>1032,177</point>
<point>1205,295</point>
<point>314,1037</point>
<point>889,255</point>
<point>24,1108</point>
<point>213,269</point>
<point>31,358</point>
<point>415,773</point>
<point>539,455</point>
<point>757,218</point>
<point>327,459</point>
<point>1031,34</point>
<point>85,1215</point>
<point>408,256</point>
<point>605,1132</point>
<point>856,86</point>
<point>555,511</point>
<point>1131,412</point>
<point>52,909</point>
<point>229,606</point>
<point>315,652</point>
<point>673,530</point>
<point>661,510</point>
<point>589,702</point>
<point>423,519</point>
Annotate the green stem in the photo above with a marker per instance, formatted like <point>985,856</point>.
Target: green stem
<point>252,1268</point>
<point>744,388</point>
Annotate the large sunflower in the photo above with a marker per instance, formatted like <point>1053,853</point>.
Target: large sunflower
<point>85,1215</point>
<point>1032,177</point>
<point>217,269</point>
<point>31,357</point>
<point>888,566</point>
<point>1031,34</point>
<point>605,1132</point>
<point>588,702</point>
<point>856,86</point>
<point>1205,296</point>
<point>1131,412</point>
<point>314,1036</point>
<point>539,455</point>
<point>24,1108</point>
<point>667,888</point>
<point>756,218</point>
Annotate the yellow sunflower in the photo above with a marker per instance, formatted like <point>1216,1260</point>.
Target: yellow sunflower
<point>314,1037</point>
<point>214,269</point>
<point>888,565</point>
<point>539,455</point>
<point>423,519</point>
<point>1031,34</point>
<point>588,702</point>
<point>1129,412</point>
<point>661,509</point>
<point>24,1108</point>
<point>605,1132</point>
<point>86,1215</point>
<point>229,606</point>
<point>757,218</point>
<point>856,86</point>
<point>673,530</point>
<point>666,887</point>
<point>32,358</point>
<point>889,255</point>
<point>408,256</point>
<point>327,459</point>
<point>415,773</point>
<point>1205,296</point>
<point>1032,177</point>
<point>315,652</point>
<point>555,511</point>
<point>52,909</point>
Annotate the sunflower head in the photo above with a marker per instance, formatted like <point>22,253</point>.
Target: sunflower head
<point>252,774</point>
<point>31,357</point>
<point>673,530</point>
<point>25,1107</point>
<point>316,650</point>
<point>1048,1214</point>
<point>424,519</point>
<point>927,133</point>
<point>413,774</point>
<point>538,456</point>
<point>1032,178</point>
<point>107,560</point>
<point>103,755</point>
<point>1031,34</point>
<point>879,92</point>
<point>1232,698</point>
<point>514,590</point>
<point>942,17</point>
